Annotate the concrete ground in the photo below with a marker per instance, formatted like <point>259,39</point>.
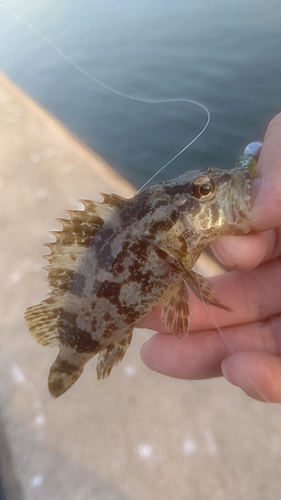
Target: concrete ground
<point>137,435</point>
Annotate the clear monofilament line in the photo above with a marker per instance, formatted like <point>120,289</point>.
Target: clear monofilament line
<point>215,323</point>
<point>187,145</point>
<point>121,94</point>
<point>151,101</point>
<point>227,343</point>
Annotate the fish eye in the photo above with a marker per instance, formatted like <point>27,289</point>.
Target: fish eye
<point>203,188</point>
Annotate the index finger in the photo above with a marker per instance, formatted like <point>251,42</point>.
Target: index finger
<point>251,296</point>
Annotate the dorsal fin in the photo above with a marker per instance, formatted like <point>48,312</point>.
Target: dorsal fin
<point>42,321</point>
<point>73,240</point>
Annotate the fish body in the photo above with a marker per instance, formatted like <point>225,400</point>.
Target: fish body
<point>115,261</point>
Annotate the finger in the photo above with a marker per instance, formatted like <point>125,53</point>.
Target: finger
<point>253,296</point>
<point>198,356</point>
<point>266,186</point>
<point>201,354</point>
<point>247,252</point>
<point>258,374</point>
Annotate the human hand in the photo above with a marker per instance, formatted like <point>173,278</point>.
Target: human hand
<point>244,346</point>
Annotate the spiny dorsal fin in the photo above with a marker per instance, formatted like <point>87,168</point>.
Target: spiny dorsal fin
<point>114,200</point>
<point>84,224</point>
<point>72,242</point>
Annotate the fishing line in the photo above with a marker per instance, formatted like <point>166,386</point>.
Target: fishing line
<point>218,328</point>
<point>215,323</point>
<point>227,343</point>
<point>119,93</point>
<point>148,101</point>
<point>252,149</point>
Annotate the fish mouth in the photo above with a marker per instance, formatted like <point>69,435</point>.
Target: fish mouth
<point>238,205</point>
<point>252,167</point>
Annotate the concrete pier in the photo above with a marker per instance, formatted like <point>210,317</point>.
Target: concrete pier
<point>137,435</point>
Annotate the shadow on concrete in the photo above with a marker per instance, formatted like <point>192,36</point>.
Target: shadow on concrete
<point>10,488</point>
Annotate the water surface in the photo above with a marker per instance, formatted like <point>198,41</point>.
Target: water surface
<point>224,54</point>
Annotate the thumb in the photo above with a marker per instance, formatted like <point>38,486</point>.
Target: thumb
<point>266,184</point>
<point>258,374</point>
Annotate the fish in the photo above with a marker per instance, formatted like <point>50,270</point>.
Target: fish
<point>114,261</point>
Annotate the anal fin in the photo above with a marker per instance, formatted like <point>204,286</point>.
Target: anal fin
<point>112,355</point>
<point>175,313</point>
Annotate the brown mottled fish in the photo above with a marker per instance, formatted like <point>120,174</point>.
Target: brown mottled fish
<point>113,263</point>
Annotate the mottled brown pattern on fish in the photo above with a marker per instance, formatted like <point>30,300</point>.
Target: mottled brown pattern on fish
<point>114,261</point>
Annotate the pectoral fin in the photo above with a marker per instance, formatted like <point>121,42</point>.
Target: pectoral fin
<point>112,355</point>
<point>182,259</point>
<point>175,313</point>
<point>204,289</point>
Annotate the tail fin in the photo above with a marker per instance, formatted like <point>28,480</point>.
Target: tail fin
<point>44,323</point>
<point>65,370</point>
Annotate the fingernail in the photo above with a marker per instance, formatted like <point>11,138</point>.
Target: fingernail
<point>222,256</point>
<point>143,353</point>
<point>225,371</point>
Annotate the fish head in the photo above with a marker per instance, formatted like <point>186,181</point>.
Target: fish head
<point>211,202</point>
<point>189,212</point>
<point>223,200</point>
